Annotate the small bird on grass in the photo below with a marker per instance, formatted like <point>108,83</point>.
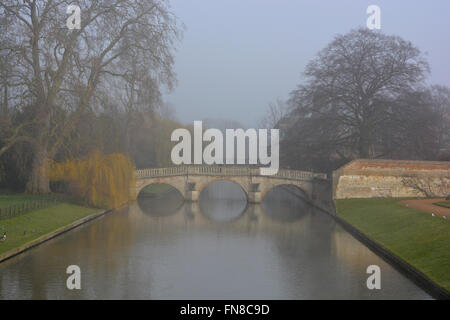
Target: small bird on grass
<point>3,238</point>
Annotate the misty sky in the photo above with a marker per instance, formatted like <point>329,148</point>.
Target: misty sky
<point>238,55</point>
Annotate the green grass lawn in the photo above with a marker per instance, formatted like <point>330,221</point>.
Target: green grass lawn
<point>415,236</point>
<point>445,204</point>
<point>7,200</point>
<point>25,228</point>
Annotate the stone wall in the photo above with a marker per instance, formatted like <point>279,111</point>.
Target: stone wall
<point>374,178</point>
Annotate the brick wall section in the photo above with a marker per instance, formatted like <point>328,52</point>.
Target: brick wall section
<point>376,178</point>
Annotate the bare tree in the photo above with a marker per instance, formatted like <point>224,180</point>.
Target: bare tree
<point>125,43</point>
<point>351,84</point>
<point>275,112</point>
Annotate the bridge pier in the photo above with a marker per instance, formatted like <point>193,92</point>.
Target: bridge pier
<point>254,197</point>
<point>191,195</point>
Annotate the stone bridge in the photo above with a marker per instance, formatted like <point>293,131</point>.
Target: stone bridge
<point>191,180</point>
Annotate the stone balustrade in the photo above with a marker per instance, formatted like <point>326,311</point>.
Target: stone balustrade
<point>225,170</point>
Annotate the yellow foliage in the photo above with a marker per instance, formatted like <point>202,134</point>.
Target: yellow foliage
<point>105,181</point>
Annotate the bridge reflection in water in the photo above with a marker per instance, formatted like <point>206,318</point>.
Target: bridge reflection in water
<point>225,201</point>
<point>282,249</point>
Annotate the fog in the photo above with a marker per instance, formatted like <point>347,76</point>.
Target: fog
<point>237,56</point>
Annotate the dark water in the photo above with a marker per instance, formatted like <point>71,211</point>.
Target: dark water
<point>218,248</point>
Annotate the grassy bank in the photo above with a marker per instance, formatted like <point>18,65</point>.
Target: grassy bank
<point>30,226</point>
<point>8,200</point>
<point>418,238</point>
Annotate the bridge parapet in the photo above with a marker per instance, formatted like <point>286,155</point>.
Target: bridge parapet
<point>235,170</point>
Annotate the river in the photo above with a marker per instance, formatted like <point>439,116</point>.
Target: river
<point>217,248</point>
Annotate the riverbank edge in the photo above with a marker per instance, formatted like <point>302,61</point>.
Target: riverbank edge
<point>408,270</point>
<point>18,250</point>
<point>411,272</point>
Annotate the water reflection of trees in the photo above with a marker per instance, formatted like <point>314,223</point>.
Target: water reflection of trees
<point>285,204</point>
<point>294,230</point>
<point>117,255</point>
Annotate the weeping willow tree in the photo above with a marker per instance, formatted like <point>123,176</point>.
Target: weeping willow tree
<point>105,181</point>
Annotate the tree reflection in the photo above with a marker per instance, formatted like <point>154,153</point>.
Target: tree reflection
<point>285,203</point>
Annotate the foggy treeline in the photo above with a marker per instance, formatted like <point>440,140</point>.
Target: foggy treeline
<point>365,95</point>
<point>65,92</point>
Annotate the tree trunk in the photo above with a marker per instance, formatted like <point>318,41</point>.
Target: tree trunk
<point>364,143</point>
<point>5,104</point>
<point>38,182</point>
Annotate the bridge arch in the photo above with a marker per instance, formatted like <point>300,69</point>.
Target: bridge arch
<point>167,181</point>
<point>217,179</point>
<point>161,183</point>
<point>285,183</point>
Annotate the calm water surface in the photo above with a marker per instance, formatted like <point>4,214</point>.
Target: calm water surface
<point>218,248</point>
